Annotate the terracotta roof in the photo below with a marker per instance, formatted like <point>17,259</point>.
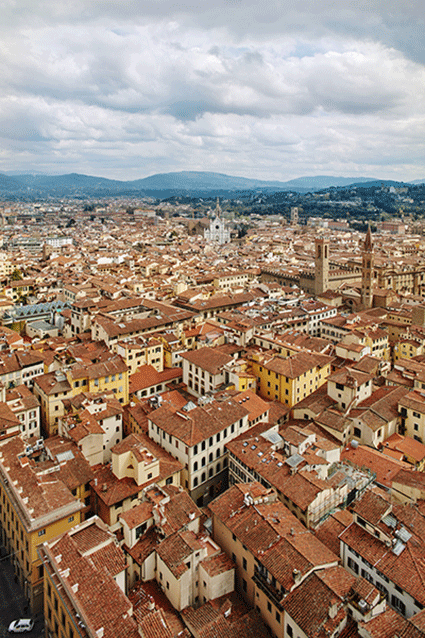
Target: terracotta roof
<point>384,467</point>
<point>209,359</point>
<point>405,570</point>
<point>147,376</point>
<point>200,423</point>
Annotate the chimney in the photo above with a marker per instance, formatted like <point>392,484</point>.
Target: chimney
<point>151,603</point>
<point>296,575</point>
<point>333,610</point>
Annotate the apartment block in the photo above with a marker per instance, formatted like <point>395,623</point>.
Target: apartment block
<point>85,584</point>
<point>289,380</point>
<point>273,551</point>
<point>36,505</point>
<point>197,436</point>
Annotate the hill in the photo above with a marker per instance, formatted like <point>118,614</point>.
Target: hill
<point>161,185</point>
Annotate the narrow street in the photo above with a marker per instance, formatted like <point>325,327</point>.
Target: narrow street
<point>13,603</point>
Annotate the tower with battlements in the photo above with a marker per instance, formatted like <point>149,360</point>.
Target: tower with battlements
<point>321,265</point>
<point>367,272</point>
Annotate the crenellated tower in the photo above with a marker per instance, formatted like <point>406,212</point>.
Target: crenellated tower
<point>367,271</point>
<point>321,266</point>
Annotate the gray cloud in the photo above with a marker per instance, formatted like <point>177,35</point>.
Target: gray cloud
<point>129,88</point>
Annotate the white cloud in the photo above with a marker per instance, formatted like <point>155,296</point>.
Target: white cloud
<point>270,90</point>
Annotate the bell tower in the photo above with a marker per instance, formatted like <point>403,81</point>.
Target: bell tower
<point>321,266</point>
<point>367,271</point>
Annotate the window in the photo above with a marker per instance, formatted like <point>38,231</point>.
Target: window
<point>278,617</point>
<point>289,631</point>
<point>398,604</point>
<point>353,565</point>
<point>269,606</point>
<point>41,532</point>
<point>244,564</point>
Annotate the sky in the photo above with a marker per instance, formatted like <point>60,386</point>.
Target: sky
<point>268,89</point>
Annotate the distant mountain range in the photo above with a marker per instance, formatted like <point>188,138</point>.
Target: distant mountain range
<point>188,183</point>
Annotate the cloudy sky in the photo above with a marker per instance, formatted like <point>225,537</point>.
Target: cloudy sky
<point>274,89</point>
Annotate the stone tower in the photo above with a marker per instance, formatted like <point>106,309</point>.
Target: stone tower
<point>321,266</point>
<point>367,271</point>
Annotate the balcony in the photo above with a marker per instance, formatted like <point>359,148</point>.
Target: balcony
<point>266,586</point>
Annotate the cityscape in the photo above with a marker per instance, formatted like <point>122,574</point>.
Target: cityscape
<point>213,419</point>
<point>212,319</point>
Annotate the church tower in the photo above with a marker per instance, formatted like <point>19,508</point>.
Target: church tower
<point>321,266</point>
<point>367,271</point>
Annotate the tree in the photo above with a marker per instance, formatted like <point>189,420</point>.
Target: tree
<point>16,275</point>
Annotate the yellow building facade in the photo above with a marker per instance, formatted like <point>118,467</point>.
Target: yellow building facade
<point>292,379</point>
<point>32,510</point>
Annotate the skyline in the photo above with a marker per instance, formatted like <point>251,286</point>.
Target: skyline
<point>271,92</point>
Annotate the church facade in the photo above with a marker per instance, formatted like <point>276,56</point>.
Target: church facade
<point>217,232</point>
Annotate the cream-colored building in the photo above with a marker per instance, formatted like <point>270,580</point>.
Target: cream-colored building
<point>273,551</point>
<point>197,436</point>
<point>349,387</point>
<point>136,464</point>
<point>412,413</point>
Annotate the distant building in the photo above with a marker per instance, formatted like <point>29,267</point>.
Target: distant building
<point>217,231</point>
<point>294,215</point>
<point>58,241</point>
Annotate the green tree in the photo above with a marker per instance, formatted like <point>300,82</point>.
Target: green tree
<point>16,275</point>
